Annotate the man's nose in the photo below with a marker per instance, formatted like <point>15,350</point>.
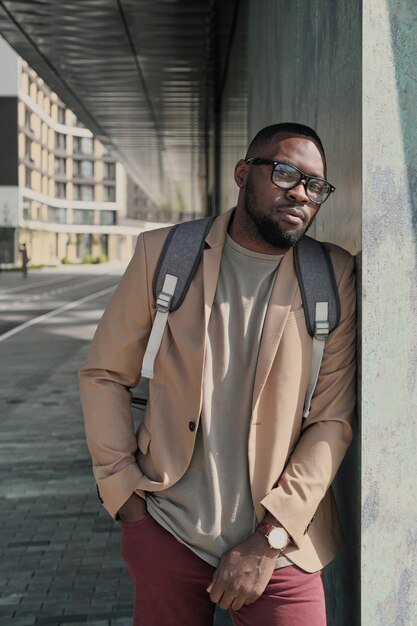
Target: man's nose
<point>298,193</point>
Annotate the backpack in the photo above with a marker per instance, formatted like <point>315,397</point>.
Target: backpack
<point>178,263</point>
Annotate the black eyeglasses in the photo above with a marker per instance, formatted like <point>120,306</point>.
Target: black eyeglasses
<point>287,176</point>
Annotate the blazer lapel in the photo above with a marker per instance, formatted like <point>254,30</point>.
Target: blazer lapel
<point>212,257</point>
<point>280,302</point>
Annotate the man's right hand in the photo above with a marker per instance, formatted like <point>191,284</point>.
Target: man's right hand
<point>133,510</point>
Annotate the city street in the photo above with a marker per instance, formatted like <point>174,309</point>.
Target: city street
<point>59,561</point>
<point>59,554</point>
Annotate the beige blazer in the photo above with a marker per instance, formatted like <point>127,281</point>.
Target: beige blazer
<point>292,461</point>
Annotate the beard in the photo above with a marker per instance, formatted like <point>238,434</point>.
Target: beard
<point>268,229</point>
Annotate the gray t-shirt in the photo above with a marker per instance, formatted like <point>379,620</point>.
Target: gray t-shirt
<point>210,508</point>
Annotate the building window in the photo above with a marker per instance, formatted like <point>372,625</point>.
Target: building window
<point>28,148</point>
<point>60,190</point>
<point>109,193</point>
<point>104,245</point>
<point>28,177</point>
<point>84,169</point>
<point>107,218</point>
<point>26,209</point>
<point>76,121</point>
<point>60,166</point>
<point>83,145</point>
<point>84,192</point>
<point>60,141</point>
<point>57,215</point>
<point>84,245</point>
<point>82,216</point>
<point>109,171</point>
<point>27,120</point>
<point>61,115</point>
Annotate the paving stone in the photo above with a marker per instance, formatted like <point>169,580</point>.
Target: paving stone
<point>28,620</point>
<point>59,558</point>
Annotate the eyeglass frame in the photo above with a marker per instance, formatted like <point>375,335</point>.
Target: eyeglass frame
<point>305,178</point>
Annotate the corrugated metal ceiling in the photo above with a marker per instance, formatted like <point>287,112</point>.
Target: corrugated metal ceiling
<point>144,76</point>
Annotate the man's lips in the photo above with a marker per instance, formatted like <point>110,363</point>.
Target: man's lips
<point>293,215</point>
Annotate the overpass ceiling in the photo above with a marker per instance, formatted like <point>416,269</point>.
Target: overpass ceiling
<point>142,75</point>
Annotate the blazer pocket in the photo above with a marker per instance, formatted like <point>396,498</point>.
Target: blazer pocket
<point>144,438</point>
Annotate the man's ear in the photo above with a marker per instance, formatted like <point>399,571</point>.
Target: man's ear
<point>241,172</point>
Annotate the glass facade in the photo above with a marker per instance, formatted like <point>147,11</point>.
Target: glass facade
<point>84,192</point>
<point>57,215</point>
<point>107,218</point>
<point>83,216</point>
<point>83,145</point>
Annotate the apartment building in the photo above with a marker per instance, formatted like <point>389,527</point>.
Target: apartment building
<point>61,192</point>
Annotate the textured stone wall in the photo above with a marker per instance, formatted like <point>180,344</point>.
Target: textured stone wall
<point>304,65</point>
<point>349,69</point>
<point>389,405</point>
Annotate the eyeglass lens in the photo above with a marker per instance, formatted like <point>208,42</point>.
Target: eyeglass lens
<point>287,177</point>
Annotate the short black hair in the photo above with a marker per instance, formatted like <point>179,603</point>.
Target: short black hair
<point>267,133</point>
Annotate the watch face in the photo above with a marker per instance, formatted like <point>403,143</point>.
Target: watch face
<point>278,538</point>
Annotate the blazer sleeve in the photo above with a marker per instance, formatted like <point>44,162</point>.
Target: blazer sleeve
<point>327,432</point>
<point>113,366</point>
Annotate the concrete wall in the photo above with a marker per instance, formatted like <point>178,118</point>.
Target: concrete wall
<point>304,64</point>
<point>9,70</point>
<point>349,69</point>
<point>234,111</point>
<point>389,330</point>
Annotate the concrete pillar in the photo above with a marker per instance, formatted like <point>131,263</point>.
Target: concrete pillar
<point>349,69</point>
<point>389,320</point>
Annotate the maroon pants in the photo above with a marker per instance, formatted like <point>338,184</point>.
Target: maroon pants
<point>170,584</point>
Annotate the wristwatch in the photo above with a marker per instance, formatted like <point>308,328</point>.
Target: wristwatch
<point>278,538</point>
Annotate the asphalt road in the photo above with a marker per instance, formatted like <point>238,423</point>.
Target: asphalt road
<point>59,561</point>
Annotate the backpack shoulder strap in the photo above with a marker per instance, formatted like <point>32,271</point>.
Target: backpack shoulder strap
<point>176,267</point>
<point>321,302</point>
<point>180,257</point>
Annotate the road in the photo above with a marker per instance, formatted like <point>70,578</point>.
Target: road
<point>59,559</point>
<point>44,320</point>
<point>59,562</point>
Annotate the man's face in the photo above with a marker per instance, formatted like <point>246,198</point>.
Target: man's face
<point>282,216</point>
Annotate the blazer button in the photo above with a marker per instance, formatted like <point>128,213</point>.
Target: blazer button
<point>191,426</point>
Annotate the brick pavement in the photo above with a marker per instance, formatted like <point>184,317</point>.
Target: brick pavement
<point>59,561</point>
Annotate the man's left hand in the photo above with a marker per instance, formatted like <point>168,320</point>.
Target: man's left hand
<point>243,573</point>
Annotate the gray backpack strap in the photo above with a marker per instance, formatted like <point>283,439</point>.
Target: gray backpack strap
<point>321,303</point>
<point>176,267</point>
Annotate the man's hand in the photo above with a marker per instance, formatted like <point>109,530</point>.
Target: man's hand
<point>243,573</point>
<point>133,509</point>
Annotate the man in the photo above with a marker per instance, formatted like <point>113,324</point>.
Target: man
<point>224,493</point>
<point>25,259</point>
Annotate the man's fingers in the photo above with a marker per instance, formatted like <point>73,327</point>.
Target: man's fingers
<point>237,604</point>
<point>228,599</point>
<point>215,591</point>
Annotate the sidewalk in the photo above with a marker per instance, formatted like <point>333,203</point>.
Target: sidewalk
<point>59,560</point>
<point>59,549</point>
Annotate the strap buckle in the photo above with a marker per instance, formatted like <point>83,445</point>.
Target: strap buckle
<point>163,302</point>
<point>321,324</point>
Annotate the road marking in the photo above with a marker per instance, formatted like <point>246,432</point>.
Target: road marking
<point>61,309</point>
<point>8,290</point>
<point>27,297</point>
